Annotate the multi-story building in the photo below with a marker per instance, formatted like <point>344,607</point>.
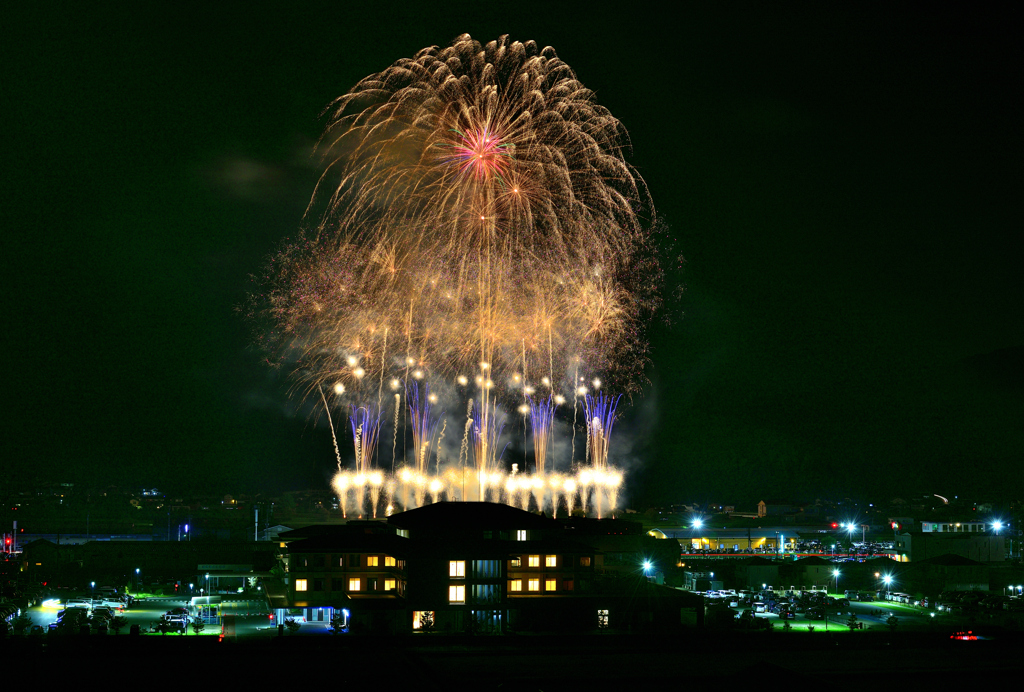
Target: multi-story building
<point>459,567</point>
<point>946,526</point>
<point>980,547</point>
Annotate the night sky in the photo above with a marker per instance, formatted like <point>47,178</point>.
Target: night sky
<point>844,185</point>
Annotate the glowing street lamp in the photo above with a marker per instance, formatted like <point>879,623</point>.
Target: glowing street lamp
<point>997,525</point>
<point>887,580</point>
<point>835,573</point>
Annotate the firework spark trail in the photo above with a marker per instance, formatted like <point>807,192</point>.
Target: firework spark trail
<point>542,413</point>
<point>464,450</point>
<point>486,429</point>
<point>334,438</point>
<point>394,439</point>
<point>423,427</point>
<point>440,441</point>
<point>365,422</point>
<point>383,367</point>
<point>600,410</point>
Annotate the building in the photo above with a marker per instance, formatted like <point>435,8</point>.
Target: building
<point>471,567</point>
<point>980,547</point>
<point>947,573</point>
<point>777,508</point>
<point>946,526</point>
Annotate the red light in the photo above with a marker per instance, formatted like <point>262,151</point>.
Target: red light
<point>835,525</point>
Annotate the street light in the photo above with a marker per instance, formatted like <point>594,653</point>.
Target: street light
<point>138,581</point>
<point>887,580</point>
<point>835,573</point>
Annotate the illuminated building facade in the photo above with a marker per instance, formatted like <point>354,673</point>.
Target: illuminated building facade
<point>465,567</point>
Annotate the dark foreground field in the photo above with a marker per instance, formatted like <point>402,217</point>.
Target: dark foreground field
<point>848,660</point>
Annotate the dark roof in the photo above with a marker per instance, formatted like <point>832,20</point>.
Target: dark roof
<point>479,515</point>
<point>346,529</point>
<point>353,543</point>
<point>591,526</point>
<point>949,560</point>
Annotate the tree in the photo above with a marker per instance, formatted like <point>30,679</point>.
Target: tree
<point>852,621</point>
<point>117,623</point>
<point>292,625</point>
<point>198,625</point>
<point>892,622</point>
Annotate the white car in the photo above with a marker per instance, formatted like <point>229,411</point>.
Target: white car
<point>107,603</point>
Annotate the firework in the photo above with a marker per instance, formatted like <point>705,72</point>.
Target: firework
<point>476,224</point>
<point>365,424</point>
<point>424,428</point>
<point>600,412</point>
<point>486,430</point>
<point>542,414</point>
<point>476,207</point>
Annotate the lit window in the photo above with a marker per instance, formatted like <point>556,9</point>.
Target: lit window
<point>353,584</point>
<point>457,568</point>
<point>389,584</point>
<point>534,561</point>
<point>602,618</point>
<point>514,562</point>
<point>520,535</point>
<point>534,585</point>
<point>549,585</point>
<point>371,561</point>
<point>341,561</point>
<point>301,585</point>
<point>551,561</point>
<point>584,562</point>
<point>515,585</point>
<point>389,561</point>
<point>423,620</point>
<point>456,594</point>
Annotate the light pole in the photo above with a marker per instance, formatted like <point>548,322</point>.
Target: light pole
<point>887,580</point>
<point>138,581</point>
<point>835,573</point>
